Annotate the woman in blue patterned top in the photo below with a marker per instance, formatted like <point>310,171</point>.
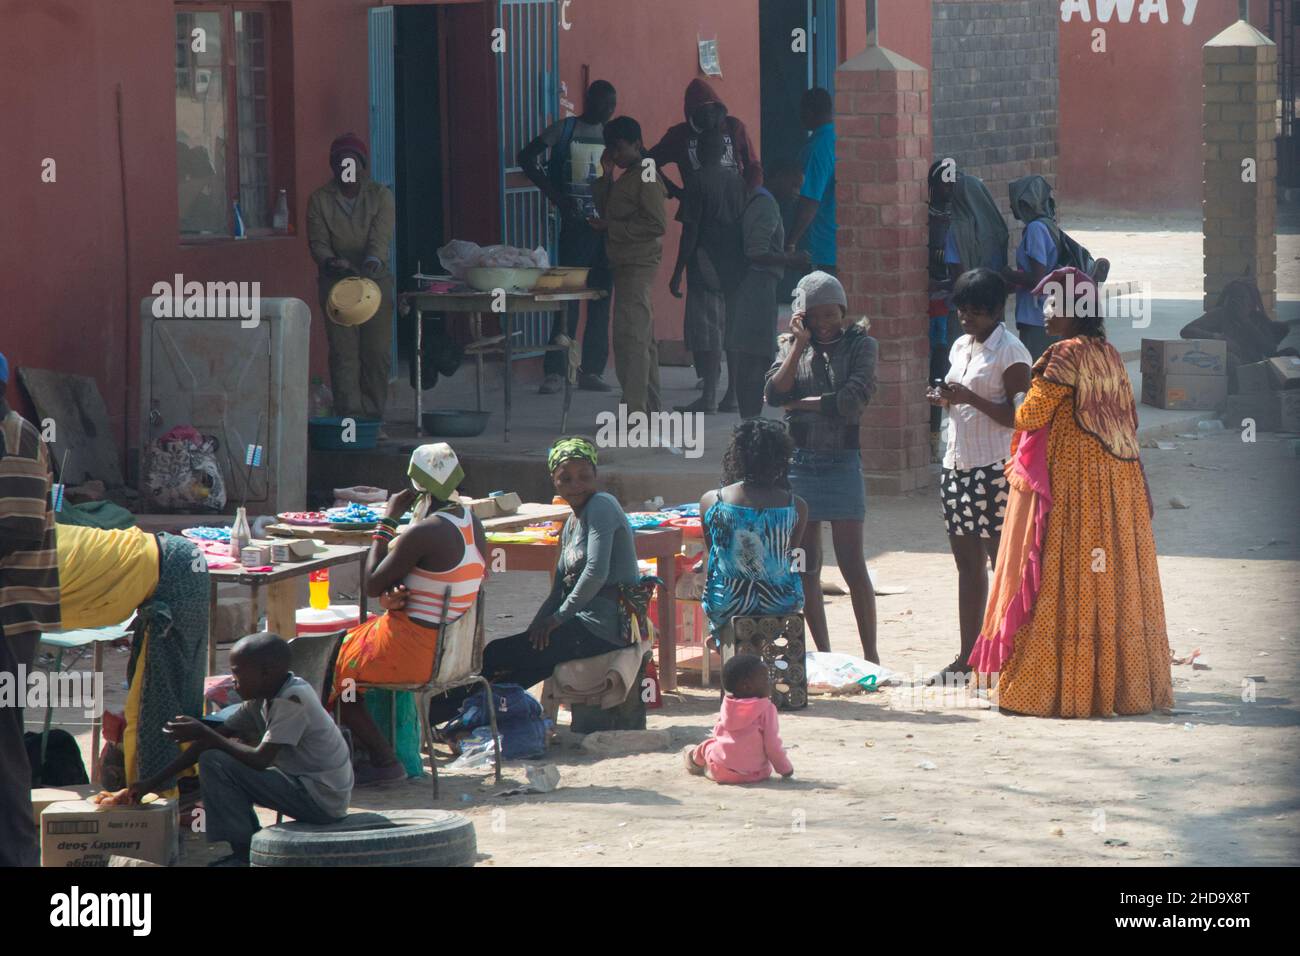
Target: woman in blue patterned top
<point>750,527</point>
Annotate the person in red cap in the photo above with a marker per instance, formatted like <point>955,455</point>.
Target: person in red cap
<point>349,231</point>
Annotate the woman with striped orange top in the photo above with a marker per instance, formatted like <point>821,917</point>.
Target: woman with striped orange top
<point>443,548</point>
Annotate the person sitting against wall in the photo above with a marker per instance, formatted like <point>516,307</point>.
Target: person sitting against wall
<point>349,232</point>
<point>596,581</point>
<point>444,547</point>
<point>1239,319</point>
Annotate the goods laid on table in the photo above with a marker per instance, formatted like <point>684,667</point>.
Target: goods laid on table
<point>459,256</point>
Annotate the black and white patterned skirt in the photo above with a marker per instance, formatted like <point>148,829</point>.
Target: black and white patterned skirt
<point>974,501</point>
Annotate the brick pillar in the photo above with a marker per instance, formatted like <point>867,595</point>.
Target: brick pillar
<point>882,124</point>
<point>1240,107</point>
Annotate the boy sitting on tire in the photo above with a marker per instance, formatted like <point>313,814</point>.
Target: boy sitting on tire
<point>300,766</point>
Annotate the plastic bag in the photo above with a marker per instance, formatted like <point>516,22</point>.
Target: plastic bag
<point>459,256</point>
<point>831,673</point>
<point>510,257</point>
<point>361,494</point>
<point>183,474</point>
<point>478,750</point>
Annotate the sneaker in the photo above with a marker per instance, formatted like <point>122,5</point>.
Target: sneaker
<point>593,383</point>
<point>728,404</point>
<point>692,767</point>
<point>367,774</point>
<point>553,384</point>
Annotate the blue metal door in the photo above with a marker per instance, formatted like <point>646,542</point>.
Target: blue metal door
<point>383,138</point>
<point>528,101</point>
<point>823,47</point>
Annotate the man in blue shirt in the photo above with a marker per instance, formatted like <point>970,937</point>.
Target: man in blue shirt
<point>814,219</point>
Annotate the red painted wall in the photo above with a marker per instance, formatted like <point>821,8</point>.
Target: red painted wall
<point>901,27</point>
<point>65,277</point>
<point>1130,130</point>
<point>648,51</point>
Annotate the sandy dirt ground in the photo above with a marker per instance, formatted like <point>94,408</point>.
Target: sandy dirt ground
<point>1214,784</point>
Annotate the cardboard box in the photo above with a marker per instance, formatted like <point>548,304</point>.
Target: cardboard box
<point>1262,407</point>
<point>1288,411</point>
<point>495,507</point>
<point>1189,392</point>
<point>42,797</point>
<point>1184,357</point>
<point>79,833</point>
<point>294,549</point>
<point>1285,370</point>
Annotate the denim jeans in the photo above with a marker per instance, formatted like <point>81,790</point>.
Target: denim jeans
<point>231,788</point>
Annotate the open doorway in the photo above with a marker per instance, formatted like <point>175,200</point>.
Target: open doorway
<point>408,143</point>
<point>789,63</point>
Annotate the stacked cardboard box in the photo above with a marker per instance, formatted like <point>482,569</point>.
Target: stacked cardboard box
<point>1184,373</point>
<point>80,833</point>
<point>1268,394</point>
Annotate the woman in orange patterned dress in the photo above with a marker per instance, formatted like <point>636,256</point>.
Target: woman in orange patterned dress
<point>1075,621</point>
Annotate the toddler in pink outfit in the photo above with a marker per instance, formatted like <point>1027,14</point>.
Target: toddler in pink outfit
<point>746,742</point>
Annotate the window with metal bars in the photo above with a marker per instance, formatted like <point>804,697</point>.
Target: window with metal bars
<point>225,109</point>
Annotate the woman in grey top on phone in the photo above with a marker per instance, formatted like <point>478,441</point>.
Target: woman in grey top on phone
<point>823,376</point>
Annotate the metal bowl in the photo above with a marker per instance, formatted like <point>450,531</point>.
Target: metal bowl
<point>487,279</point>
<point>454,423</point>
<point>563,279</point>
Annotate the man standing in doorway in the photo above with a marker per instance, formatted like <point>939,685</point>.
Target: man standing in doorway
<point>814,218</point>
<point>29,605</point>
<point>576,144</point>
<point>349,232</point>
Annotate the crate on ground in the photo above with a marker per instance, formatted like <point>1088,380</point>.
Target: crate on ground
<point>779,640</point>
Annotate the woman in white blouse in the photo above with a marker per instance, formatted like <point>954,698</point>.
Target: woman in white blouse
<point>987,379</point>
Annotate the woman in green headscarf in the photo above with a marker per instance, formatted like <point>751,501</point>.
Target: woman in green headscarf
<point>581,617</point>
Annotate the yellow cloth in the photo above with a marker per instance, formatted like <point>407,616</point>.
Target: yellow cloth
<point>104,575</point>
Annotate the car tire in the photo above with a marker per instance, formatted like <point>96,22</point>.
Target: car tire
<point>395,838</point>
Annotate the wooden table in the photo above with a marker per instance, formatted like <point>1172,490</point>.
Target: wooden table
<point>281,593</point>
<point>662,544</point>
<point>474,304</point>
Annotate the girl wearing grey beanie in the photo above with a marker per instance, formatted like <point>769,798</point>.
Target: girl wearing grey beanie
<point>824,376</point>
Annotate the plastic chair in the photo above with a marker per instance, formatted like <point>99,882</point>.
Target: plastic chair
<point>312,657</point>
<point>457,662</point>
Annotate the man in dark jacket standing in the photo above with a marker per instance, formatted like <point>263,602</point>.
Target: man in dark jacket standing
<point>575,144</point>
